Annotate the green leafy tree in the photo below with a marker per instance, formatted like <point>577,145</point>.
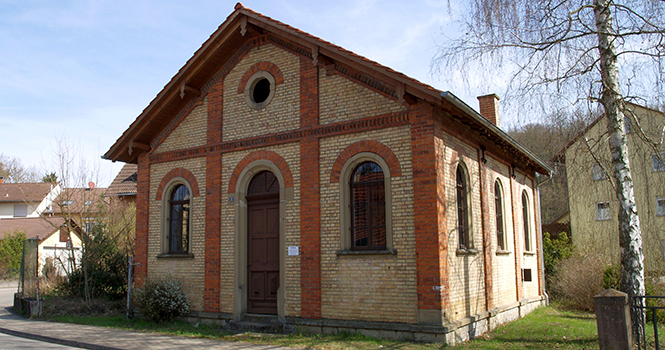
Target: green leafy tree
<point>50,178</point>
<point>11,251</point>
<point>555,250</point>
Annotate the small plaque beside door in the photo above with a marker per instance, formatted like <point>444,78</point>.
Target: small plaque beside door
<point>294,250</point>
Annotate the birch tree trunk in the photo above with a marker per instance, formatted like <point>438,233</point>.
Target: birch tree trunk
<point>630,237</point>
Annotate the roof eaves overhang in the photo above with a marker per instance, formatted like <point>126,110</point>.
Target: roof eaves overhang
<point>234,23</point>
<point>171,90</point>
<point>540,167</point>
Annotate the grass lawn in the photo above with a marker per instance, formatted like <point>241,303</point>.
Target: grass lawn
<point>545,328</point>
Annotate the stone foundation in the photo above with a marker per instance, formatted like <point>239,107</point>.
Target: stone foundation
<point>450,334</point>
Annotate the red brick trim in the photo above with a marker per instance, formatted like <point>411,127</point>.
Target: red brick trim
<point>213,209</point>
<point>258,155</point>
<point>309,93</point>
<point>310,207</point>
<point>215,110</point>
<point>486,195</point>
<point>310,230</point>
<point>429,200</point>
<point>261,66</point>
<point>342,128</point>
<point>366,146</point>
<point>142,214</point>
<point>178,172</point>
<point>514,186</point>
<point>539,235</point>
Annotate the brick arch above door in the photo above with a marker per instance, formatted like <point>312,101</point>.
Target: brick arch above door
<point>261,155</point>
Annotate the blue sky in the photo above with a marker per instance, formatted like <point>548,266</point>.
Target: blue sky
<point>84,70</point>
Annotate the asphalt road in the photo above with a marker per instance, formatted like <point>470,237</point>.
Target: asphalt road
<point>7,296</point>
<point>12,342</point>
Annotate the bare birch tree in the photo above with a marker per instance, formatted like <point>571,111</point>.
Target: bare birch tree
<point>605,52</point>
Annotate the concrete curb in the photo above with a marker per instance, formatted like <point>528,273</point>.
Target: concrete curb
<point>55,340</point>
<point>8,284</point>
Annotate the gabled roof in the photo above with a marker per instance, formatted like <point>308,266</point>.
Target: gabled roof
<point>34,227</point>
<point>24,192</point>
<point>244,25</point>
<point>560,156</point>
<point>125,182</point>
<point>78,200</point>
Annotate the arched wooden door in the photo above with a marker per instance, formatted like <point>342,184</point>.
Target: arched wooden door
<point>263,243</point>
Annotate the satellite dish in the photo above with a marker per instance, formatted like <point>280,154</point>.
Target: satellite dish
<point>91,185</point>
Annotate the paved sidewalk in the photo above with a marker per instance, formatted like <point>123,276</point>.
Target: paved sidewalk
<point>89,337</point>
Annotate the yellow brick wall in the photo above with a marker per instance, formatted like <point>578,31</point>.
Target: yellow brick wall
<point>291,154</point>
<point>503,265</point>
<point>189,271</point>
<point>529,259</point>
<point>342,99</point>
<point>371,288</point>
<point>191,132</point>
<point>283,112</point>
<point>466,271</point>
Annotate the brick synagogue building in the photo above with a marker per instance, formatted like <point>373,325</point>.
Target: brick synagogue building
<point>284,176</point>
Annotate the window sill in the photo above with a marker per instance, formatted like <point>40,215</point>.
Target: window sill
<point>530,253</point>
<point>503,252</point>
<point>175,256</point>
<point>366,252</point>
<point>470,251</point>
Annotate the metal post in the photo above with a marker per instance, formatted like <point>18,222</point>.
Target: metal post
<point>37,269</point>
<point>130,314</point>
<point>655,327</point>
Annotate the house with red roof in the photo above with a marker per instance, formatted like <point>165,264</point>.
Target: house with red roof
<point>124,184</point>
<point>285,179</point>
<point>21,200</point>
<point>59,243</point>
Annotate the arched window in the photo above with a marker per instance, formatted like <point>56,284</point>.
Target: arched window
<point>264,183</point>
<point>525,220</point>
<point>368,207</point>
<point>498,212</point>
<point>178,231</point>
<point>463,209</point>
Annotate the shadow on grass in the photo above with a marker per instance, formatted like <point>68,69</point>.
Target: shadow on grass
<point>579,317</point>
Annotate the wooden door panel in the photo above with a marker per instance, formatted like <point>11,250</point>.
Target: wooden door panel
<point>263,256</point>
<point>257,290</point>
<point>272,285</point>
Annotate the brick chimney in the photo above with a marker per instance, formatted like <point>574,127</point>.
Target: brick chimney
<point>489,108</point>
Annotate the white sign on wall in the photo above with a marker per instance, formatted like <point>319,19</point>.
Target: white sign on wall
<point>294,250</point>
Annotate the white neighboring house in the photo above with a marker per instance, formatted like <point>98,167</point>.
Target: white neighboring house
<point>56,244</point>
<point>27,200</point>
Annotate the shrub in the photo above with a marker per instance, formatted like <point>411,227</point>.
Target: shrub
<point>555,250</point>
<point>653,287</point>
<point>160,300</point>
<point>612,277</point>
<point>577,280</point>
<point>11,252</point>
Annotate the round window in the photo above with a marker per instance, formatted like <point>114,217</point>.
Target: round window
<point>260,90</point>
